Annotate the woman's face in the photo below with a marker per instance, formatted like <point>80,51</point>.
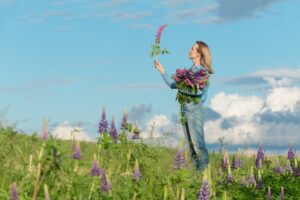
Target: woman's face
<point>193,54</point>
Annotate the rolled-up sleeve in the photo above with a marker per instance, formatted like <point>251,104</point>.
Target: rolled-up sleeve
<point>204,95</point>
<point>168,80</point>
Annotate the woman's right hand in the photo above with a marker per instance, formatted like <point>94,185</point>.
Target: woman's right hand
<point>159,66</point>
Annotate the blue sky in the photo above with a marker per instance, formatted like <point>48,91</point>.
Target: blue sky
<point>66,59</point>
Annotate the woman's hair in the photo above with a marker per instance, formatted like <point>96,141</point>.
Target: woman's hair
<point>205,59</point>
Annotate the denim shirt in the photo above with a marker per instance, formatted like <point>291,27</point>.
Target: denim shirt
<point>172,84</point>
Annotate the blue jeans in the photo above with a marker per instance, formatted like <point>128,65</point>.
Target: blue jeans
<point>194,134</point>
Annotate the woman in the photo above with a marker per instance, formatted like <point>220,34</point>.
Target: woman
<point>194,112</point>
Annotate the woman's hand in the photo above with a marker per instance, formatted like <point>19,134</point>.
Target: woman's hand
<point>159,66</point>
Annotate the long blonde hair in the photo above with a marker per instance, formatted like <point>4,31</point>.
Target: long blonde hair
<point>205,59</point>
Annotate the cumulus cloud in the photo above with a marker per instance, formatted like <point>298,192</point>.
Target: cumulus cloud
<point>139,112</point>
<point>64,130</point>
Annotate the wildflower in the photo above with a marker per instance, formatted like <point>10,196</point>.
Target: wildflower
<point>269,195</point>
<point>277,167</point>
<point>291,153</point>
<point>137,173</point>
<point>95,171</point>
<point>229,176</point>
<point>179,159</point>
<point>204,191</point>
<point>46,190</point>
<point>105,183</point>
<point>14,194</point>
<point>296,169</point>
<point>288,166</point>
<point>44,131</point>
<point>259,181</point>
<point>260,155</point>
<point>77,151</point>
<point>103,125</point>
<point>252,179</point>
<point>238,162</point>
<point>159,32</point>
<point>243,180</point>
<point>282,193</point>
<point>113,131</point>
<point>124,121</point>
<point>225,161</point>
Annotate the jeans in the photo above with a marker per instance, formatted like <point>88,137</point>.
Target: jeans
<point>194,134</point>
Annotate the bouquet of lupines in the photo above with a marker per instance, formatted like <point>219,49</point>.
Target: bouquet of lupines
<point>189,83</point>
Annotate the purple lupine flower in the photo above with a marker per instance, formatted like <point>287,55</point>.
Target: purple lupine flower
<point>137,173</point>
<point>14,194</point>
<point>124,121</point>
<point>288,166</point>
<point>269,195</point>
<point>260,155</point>
<point>77,152</point>
<point>229,175</point>
<point>159,32</point>
<point>291,153</point>
<point>105,183</point>
<point>113,131</point>
<point>95,171</point>
<point>203,194</point>
<point>296,169</point>
<point>282,193</point>
<point>44,131</point>
<point>179,159</point>
<point>238,162</point>
<point>259,181</point>
<point>103,125</point>
<point>277,167</point>
<point>251,178</point>
<point>243,180</point>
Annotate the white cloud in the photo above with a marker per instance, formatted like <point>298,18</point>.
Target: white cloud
<point>63,131</point>
<point>283,99</point>
<point>236,105</point>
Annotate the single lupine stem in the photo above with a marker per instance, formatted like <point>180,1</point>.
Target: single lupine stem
<point>30,163</point>
<point>77,151</point>
<point>291,153</point>
<point>137,174</point>
<point>252,179</point>
<point>44,131</point>
<point>113,131</point>
<point>260,155</point>
<point>269,195</point>
<point>204,191</point>
<point>92,188</point>
<point>296,169</point>
<point>165,193</point>
<point>179,159</point>
<point>103,125</point>
<point>288,166</point>
<point>277,167</point>
<point>159,32</point>
<point>46,190</point>
<point>14,194</point>
<point>225,161</point>
<point>229,176</point>
<point>182,194</point>
<point>282,193</point>
<point>243,180</point>
<point>259,181</point>
<point>37,181</point>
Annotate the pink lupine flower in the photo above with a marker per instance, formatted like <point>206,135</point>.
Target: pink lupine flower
<point>44,131</point>
<point>14,194</point>
<point>95,171</point>
<point>159,32</point>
